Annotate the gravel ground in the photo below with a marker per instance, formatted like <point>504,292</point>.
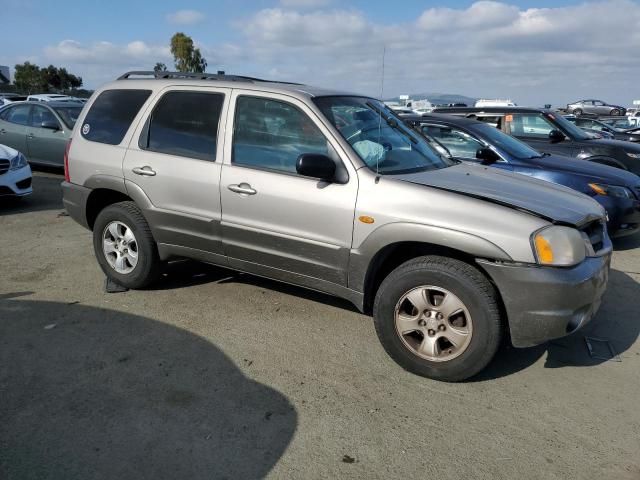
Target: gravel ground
<point>215,374</point>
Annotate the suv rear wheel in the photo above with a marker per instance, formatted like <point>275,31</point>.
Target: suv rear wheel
<point>124,246</point>
<point>438,317</point>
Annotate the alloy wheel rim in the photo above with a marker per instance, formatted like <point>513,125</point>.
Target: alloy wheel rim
<point>433,323</point>
<point>120,247</point>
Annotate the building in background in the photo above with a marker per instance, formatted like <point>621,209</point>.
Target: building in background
<point>5,75</point>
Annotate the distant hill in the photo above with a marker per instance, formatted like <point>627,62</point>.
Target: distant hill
<point>439,98</point>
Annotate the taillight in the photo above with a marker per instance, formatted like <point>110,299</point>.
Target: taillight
<point>67,177</point>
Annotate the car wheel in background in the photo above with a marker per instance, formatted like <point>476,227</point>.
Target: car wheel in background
<point>577,112</point>
<point>615,112</point>
<point>124,246</point>
<point>438,317</point>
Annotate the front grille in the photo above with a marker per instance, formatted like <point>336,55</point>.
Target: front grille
<point>595,231</point>
<point>22,184</point>
<point>4,165</point>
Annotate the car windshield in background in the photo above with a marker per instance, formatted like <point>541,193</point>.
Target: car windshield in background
<point>619,124</point>
<point>509,144</point>
<point>575,132</point>
<point>69,115</point>
<point>381,139</point>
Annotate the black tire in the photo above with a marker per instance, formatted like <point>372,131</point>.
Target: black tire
<point>470,286</point>
<point>148,267</point>
<point>577,112</point>
<point>615,112</point>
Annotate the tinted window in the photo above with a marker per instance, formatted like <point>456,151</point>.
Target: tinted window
<point>271,134</point>
<point>511,145</point>
<point>186,124</point>
<point>69,115</point>
<point>41,114</point>
<point>529,125</point>
<point>18,114</point>
<point>111,115</point>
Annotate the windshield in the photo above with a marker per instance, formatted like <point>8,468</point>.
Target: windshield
<point>507,143</point>
<point>69,115</point>
<point>381,139</point>
<point>574,132</point>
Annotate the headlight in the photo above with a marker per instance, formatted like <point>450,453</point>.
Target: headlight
<point>18,161</point>
<point>611,190</point>
<point>559,246</point>
<point>633,155</point>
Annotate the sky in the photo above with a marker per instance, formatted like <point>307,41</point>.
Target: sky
<point>531,52</point>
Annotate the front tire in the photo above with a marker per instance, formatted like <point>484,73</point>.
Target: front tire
<point>439,318</point>
<point>124,246</point>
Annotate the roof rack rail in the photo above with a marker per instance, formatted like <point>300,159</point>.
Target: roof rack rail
<point>161,75</point>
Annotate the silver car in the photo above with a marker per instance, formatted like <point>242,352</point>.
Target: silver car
<point>596,107</point>
<point>331,191</point>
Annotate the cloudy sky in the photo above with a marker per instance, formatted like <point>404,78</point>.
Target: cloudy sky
<point>534,52</point>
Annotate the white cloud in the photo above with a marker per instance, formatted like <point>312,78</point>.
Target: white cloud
<point>493,49</point>
<point>304,3</point>
<point>185,17</point>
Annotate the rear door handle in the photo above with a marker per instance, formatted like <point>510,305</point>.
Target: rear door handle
<point>31,136</point>
<point>145,171</point>
<point>243,189</point>
<point>3,131</point>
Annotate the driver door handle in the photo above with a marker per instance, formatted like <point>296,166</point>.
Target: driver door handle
<point>3,131</point>
<point>145,171</point>
<point>243,189</point>
<point>31,136</point>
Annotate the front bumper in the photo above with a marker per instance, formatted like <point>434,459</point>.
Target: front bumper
<point>623,213</point>
<point>16,182</point>
<point>543,303</point>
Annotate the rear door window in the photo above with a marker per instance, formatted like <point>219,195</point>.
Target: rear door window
<point>18,115</point>
<point>111,115</point>
<point>185,124</point>
<point>41,115</point>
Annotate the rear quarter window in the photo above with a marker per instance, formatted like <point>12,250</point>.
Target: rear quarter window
<point>111,115</point>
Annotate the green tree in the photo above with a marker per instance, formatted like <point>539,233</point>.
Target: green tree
<point>187,58</point>
<point>28,78</point>
<point>160,67</point>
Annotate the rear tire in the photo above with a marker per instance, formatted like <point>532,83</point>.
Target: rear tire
<point>615,112</point>
<point>474,339</point>
<point>124,246</point>
<point>577,112</point>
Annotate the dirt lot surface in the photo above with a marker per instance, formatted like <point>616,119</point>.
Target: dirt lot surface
<point>215,374</point>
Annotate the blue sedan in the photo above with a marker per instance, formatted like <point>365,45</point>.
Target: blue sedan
<point>618,191</point>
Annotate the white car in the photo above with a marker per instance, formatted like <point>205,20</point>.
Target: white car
<point>15,173</point>
<point>51,97</point>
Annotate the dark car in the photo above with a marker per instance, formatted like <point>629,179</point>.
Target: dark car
<point>597,107</point>
<point>619,130</point>
<point>39,130</point>
<point>469,140</point>
<point>550,132</point>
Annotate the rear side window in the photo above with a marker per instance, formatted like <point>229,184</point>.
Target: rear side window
<point>111,115</point>
<point>185,124</point>
<point>18,115</point>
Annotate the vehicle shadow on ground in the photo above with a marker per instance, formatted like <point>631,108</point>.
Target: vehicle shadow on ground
<point>617,322</point>
<point>186,273</point>
<point>47,195</point>
<point>94,393</point>
<point>626,243</point>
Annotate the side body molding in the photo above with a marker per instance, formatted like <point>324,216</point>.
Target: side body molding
<point>107,182</point>
<point>362,256</point>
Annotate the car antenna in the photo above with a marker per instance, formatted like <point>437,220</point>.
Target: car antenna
<point>384,51</point>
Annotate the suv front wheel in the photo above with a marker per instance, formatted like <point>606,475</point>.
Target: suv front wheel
<point>438,317</point>
<point>124,246</point>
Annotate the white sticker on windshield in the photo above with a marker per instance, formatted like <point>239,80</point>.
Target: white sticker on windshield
<point>86,128</point>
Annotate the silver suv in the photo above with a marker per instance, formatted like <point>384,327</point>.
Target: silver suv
<point>331,191</point>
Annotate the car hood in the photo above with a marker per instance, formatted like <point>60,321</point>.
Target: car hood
<point>611,175</point>
<point>7,152</point>
<point>623,144</point>
<point>551,201</point>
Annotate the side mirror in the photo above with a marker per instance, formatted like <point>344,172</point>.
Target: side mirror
<point>487,156</point>
<point>50,125</point>
<point>316,166</point>
<point>556,136</point>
